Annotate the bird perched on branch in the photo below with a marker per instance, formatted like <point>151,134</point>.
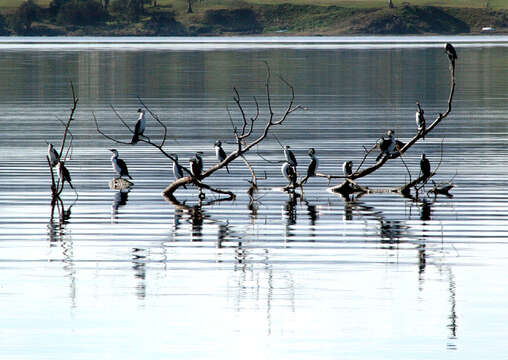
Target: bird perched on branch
<point>139,129</point>
<point>119,165</point>
<point>425,166</point>
<point>420,119</point>
<point>450,51</point>
<point>347,168</point>
<point>290,157</point>
<point>196,164</point>
<point>220,153</point>
<point>64,175</point>
<point>177,169</point>
<point>53,155</point>
<point>386,144</point>
<point>313,165</point>
<point>289,173</point>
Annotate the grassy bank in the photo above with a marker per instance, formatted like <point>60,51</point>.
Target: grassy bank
<point>302,17</point>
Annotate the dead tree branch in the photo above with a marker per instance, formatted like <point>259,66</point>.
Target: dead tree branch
<point>346,187</point>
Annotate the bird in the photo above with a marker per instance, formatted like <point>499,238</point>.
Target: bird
<point>347,168</point>
<point>177,168</point>
<point>420,119</point>
<point>139,129</point>
<point>289,172</point>
<point>313,165</point>
<point>220,153</point>
<point>196,164</point>
<point>119,165</point>
<point>64,175</point>
<point>290,157</point>
<point>386,144</point>
<point>425,166</point>
<point>450,51</point>
<point>53,155</point>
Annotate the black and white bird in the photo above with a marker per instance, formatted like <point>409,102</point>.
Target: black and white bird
<point>425,166</point>
<point>196,164</point>
<point>450,51</point>
<point>139,129</point>
<point>177,169</point>
<point>290,157</point>
<point>289,173</point>
<point>220,153</point>
<point>53,155</point>
<point>313,165</point>
<point>64,175</point>
<point>347,168</point>
<point>386,144</point>
<point>119,165</point>
<point>420,119</point>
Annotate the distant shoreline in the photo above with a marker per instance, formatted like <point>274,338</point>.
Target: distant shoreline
<point>282,20</point>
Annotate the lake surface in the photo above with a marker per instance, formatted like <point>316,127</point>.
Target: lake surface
<point>132,276</point>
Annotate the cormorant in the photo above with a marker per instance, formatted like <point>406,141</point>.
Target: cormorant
<point>119,165</point>
<point>450,51</point>
<point>139,129</point>
<point>220,153</point>
<point>177,169</point>
<point>196,164</point>
<point>313,165</point>
<point>386,144</point>
<point>53,155</point>
<point>420,119</point>
<point>289,173</point>
<point>64,175</point>
<point>290,157</point>
<point>425,166</point>
<point>347,168</point>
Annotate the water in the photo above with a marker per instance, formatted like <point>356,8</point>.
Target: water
<point>136,277</point>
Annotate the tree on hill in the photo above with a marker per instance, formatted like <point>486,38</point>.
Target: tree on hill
<point>24,16</point>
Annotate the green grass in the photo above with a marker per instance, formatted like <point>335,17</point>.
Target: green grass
<point>181,5</point>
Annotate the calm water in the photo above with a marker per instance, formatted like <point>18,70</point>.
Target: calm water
<point>132,276</point>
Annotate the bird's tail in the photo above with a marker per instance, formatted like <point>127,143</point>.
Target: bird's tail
<point>135,138</point>
<point>227,169</point>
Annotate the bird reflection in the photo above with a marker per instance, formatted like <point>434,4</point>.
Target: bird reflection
<point>197,217</point>
<point>425,210</point>
<point>120,199</point>
<point>139,267</point>
<point>222,233</point>
<point>289,213</point>
<point>391,231</point>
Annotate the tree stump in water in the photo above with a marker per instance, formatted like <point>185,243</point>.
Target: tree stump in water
<point>119,184</point>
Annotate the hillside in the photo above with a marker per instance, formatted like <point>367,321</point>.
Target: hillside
<point>248,17</point>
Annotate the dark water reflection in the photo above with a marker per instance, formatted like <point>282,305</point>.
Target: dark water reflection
<point>280,275</point>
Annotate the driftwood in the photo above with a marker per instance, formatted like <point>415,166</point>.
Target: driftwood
<point>350,185</point>
<point>57,185</point>
<point>242,136</point>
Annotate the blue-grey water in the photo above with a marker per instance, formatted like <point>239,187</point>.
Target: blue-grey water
<point>132,276</point>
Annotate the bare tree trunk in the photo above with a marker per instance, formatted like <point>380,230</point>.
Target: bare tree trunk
<point>189,7</point>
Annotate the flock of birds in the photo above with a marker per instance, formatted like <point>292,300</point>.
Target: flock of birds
<point>387,145</point>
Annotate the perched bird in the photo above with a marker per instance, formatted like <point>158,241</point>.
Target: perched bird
<point>425,166</point>
<point>177,168</point>
<point>290,157</point>
<point>289,173</point>
<point>53,155</point>
<point>139,129</point>
<point>386,144</point>
<point>313,165</point>
<point>119,165</point>
<point>220,153</point>
<point>347,168</point>
<point>64,175</point>
<point>196,164</point>
<point>420,119</point>
<point>450,51</point>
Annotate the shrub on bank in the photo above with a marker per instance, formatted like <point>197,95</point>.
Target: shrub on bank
<point>81,13</point>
